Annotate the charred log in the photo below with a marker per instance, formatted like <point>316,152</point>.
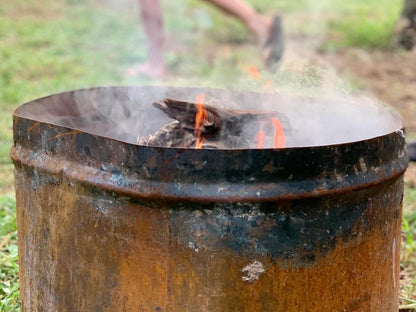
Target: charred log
<point>185,114</point>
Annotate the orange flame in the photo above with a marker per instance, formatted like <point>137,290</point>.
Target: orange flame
<point>254,72</point>
<point>260,138</point>
<point>279,134</point>
<point>201,115</point>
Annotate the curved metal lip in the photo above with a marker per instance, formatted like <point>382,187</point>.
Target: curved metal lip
<point>16,113</point>
<point>391,166</point>
<point>400,131</point>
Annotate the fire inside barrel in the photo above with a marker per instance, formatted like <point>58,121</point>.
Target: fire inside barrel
<point>203,126</point>
<point>105,224</point>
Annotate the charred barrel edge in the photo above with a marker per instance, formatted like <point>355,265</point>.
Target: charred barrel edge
<point>154,173</point>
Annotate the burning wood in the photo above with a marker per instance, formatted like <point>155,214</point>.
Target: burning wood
<point>200,119</point>
<point>260,139</point>
<point>279,134</point>
<point>199,125</point>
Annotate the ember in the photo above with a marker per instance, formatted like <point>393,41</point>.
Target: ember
<point>254,72</point>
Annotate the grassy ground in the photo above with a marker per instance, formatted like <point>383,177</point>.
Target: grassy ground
<point>54,46</point>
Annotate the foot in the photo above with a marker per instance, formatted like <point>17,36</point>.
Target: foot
<point>273,47</point>
<point>150,70</point>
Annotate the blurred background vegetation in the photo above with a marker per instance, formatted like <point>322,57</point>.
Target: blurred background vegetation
<point>52,46</point>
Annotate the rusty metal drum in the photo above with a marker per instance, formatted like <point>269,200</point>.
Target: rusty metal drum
<point>105,224</point>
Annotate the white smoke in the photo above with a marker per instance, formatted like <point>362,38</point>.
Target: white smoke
<point>320,108</point>
<point>125,113</point>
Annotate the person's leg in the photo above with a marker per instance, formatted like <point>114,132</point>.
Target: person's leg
<point>259,25</point>
<point>153,27</point>
<point>268,31</point>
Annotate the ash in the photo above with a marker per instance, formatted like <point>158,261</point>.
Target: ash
<point>171,135</point>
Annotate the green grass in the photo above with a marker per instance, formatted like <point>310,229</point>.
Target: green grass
<point>409,222</point>
<point>368,24</point>
<point>408,262</point>
<point>9,287</point>
<point>53,46</point>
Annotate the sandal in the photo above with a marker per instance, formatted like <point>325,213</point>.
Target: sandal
<point>274,47</point>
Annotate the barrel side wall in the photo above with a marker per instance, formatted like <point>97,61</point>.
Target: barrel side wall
<point>84,249</point>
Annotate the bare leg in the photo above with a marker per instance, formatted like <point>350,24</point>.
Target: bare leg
<point>268,31</point>
<point>153,26</point>
<point>257,24</point>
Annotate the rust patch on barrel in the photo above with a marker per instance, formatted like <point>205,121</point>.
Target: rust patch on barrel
<point>144,269</point>
<point>342,280</point>
<point>126,255</point>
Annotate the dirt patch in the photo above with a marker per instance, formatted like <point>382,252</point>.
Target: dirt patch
<point>35,12</point>
<point>389,76</point>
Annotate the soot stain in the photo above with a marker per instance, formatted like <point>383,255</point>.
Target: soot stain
<point>299,232</point>
<point>83,143</point>
<point>40,179</point>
